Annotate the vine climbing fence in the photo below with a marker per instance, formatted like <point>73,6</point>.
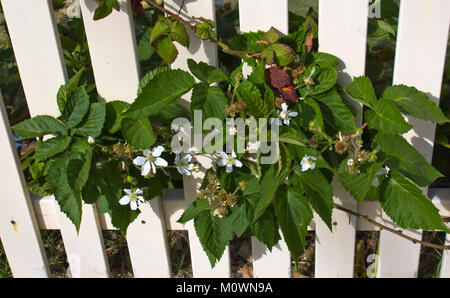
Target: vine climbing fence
<point>419,61</point>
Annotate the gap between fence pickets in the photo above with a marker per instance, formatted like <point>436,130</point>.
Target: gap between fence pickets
<point>116,71</point>
<point>31,25</point>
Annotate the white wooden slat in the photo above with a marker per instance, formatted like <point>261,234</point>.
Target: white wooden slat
<point>257,15</point>
<point>343,33</point>
<point>112,47</point>
<point>419,61</point>
<point>19,232</point>
<point>39,58</point>
<point>204,51</point>
<point>445,267</point>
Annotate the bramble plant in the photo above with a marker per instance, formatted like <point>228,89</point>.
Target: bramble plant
<point>117,154</point>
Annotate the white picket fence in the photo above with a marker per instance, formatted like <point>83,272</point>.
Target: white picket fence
<point>420,54</point>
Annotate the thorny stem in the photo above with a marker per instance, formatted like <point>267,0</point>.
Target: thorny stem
<point>225,47</point>
<point>396,232</point>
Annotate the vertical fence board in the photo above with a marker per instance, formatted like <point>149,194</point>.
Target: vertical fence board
<point>445,267</point>
<point>419,61</point>
<point>19,232</point>
<point>207,52</point>
<point>257,15</point>
<point>343,33</point>
<point>112,47</point>
<point>42,70</point>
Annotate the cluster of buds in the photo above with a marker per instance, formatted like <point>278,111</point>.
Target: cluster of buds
<point>122,150</point>
<point>297,71</point>
<point>235,108</point>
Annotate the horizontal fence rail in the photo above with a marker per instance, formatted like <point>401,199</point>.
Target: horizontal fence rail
<point>419,61</point>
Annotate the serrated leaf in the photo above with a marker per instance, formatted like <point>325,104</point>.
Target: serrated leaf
<point>160,29</point>
<point>309,110</point>
<point>138,133</point>
<point>66,90</point>
<point>123,216</point>
<point>77,106</point>
<point>210,100</point>
<point>149,76</point>
<point>324,79</point>
<point>413,102</point>
<point>268,185</point>
<point>292,136</point>
<point>272,35</point>
<point>358,183</point>
<point>93,125</point>
<point>145,50</point>
<point>197,207</point>
<point>361,90</point>
<point>294,215</point>
<point>105,8</point>
<point>334,112</point>
<point>265,228</point>
<point>205,30</point>
<point>239,220</point>
<point>178,33</point>
<point>386,117</point>
<point>404,158</point>
<point>284,54</point>
<point>214,234</point>
<point>39,126</point>
<point>206,73</point>
<point>110,186</point>
<point>163,89</point>
<point>319,193</point>
<point>114,115</point>
<point>406,204</point>
<point>255,104</point>
<point>51,147</point>
<point>325,59</point>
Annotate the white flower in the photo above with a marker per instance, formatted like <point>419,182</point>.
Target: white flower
<point>132,197</point>
<point>308,162</point>
<point>229,161</point>
<point>309,81</point>
<point>91,140</point>
<point>150,160</point>
<point>74,9</point>
<point>183,164</point>
<point>285,115</point>
<point>232,131</point>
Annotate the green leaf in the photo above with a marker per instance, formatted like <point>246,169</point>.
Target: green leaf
<point>319,193</point>
<point>123,216</point>
<point>66,90</point>
<point>51,147</point>
<point>361,90</point>
<point>110,186</point>
<point>205,30</point>
<point>93,125</point>
<point>163,89</point>
<point>165,49</point>
<point>413,102</point>
<point>358,184</point>
<point>292,136</point>
<point>334,112</point>
<point>247,42</point>
<point>77,105</point>
<point>309,110</point>
<point>268,186</point>
<point>272,35</point>
<point>149,76</point>
<point>404,158</point>
<point>325,59</point>
<point>39,126</point>
<point>214,234</point>
<point>265,228</point>
<point>206,73</point>
<point>114,115</point>
<point>255,104</point>
<point>64,179</point>
<point>138,133</point>
<point>210,100</point>
<point>178,33</point>
<point>197,207</point>
<point>239,220</point>
<point>105,8</point>
<point>160,29</point>
<point>324,79</point>
<point>386,117</point>
<point>284,54</point>
<point>294,215</point>
<point>406,204</point>
<point>145,50</point>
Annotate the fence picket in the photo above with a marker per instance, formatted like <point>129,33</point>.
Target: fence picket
<point>207,52</point>
<point>257,15</point>
<point>421,24</point>
<point>112,47</point>
<point>19,232</point>
<point>42,70</point>
<point>343,33</point>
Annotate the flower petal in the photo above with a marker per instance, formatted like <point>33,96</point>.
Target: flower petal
<point>160,162</point>
<point>229,168</point>
<point>153,168</point>
<point>139,161</point>
<point>284,107</point>
<point>124,200</point>
<point>146,169</point>
<point>223,155</point>
<point>147,152</point>
<point>139,191</point>
<point>157,151</point>
<point>237,163</point>
<point>127,191</point>
<point>133,205</point>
